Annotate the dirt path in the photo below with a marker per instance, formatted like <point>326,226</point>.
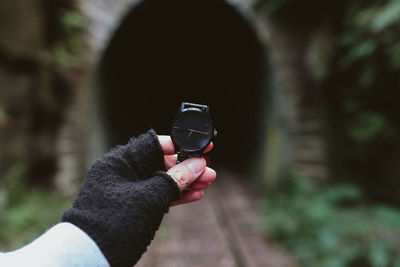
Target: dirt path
<point>221,230</point>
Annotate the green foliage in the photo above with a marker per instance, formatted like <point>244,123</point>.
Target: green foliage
<point>367,126</point>
<point>369,27</point>
<point>68,52</point>
<point>72,21</point>
<point>332,225</point>
<point>368,63</point>
<point>25,212</point>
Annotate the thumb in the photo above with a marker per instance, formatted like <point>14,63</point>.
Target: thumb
<point>187,171</point>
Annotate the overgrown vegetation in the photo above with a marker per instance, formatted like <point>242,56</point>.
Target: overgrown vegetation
<point>26,213</point>
<point>68,52</point>
<point>358,93</point>
<point>332,225</point>
<point>362,98</point>
<point>370,55</point>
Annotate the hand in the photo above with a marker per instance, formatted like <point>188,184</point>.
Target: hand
<point>191,175</point>
<point>124,197</point>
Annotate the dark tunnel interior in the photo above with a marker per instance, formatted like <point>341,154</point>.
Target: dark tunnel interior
<point>200,51</point>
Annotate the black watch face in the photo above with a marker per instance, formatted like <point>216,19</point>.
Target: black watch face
<point>192,131</point>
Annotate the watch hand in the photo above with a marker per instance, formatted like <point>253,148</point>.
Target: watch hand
<point>181,129</point>
<point>187,137</point>
<point>191,130</point>
<point>178,128</point>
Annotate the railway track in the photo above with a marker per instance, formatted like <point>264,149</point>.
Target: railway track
<point>224,229</point>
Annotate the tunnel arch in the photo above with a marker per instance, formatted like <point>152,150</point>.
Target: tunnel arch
<point>201,51</point>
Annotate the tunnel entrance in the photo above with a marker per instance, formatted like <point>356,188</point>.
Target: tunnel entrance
<point>200,51</point>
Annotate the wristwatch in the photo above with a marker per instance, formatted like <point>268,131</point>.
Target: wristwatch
<point>192,130</point>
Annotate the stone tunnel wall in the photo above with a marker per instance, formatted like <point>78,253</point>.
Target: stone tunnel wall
<point>35,88</point>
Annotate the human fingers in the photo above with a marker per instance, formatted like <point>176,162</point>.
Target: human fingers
<point>207,176</point>
<point>168,146</point>
<point>189,196</point>
<point>187,171</point>
<point>170,161</point>
<point>209,147</point>
<point>198,186</point>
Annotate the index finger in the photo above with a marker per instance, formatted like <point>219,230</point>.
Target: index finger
<point>168,146</point>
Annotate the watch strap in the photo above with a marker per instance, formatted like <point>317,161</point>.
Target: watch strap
<point>184,156</point>
<point>202,108</point>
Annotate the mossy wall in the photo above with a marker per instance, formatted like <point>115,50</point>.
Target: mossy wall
<point>35,87</point>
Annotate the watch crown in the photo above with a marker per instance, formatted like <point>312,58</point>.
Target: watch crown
<point>215,133</point>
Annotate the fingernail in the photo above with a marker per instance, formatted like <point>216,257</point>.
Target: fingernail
<point>196,165</point>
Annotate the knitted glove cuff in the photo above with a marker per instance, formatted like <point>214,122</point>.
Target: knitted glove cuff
<point>160,189</point>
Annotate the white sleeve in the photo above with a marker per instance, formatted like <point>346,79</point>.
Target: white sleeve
<point>61,246</point>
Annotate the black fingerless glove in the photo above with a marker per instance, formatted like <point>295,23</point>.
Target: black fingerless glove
<point>124,198</point>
